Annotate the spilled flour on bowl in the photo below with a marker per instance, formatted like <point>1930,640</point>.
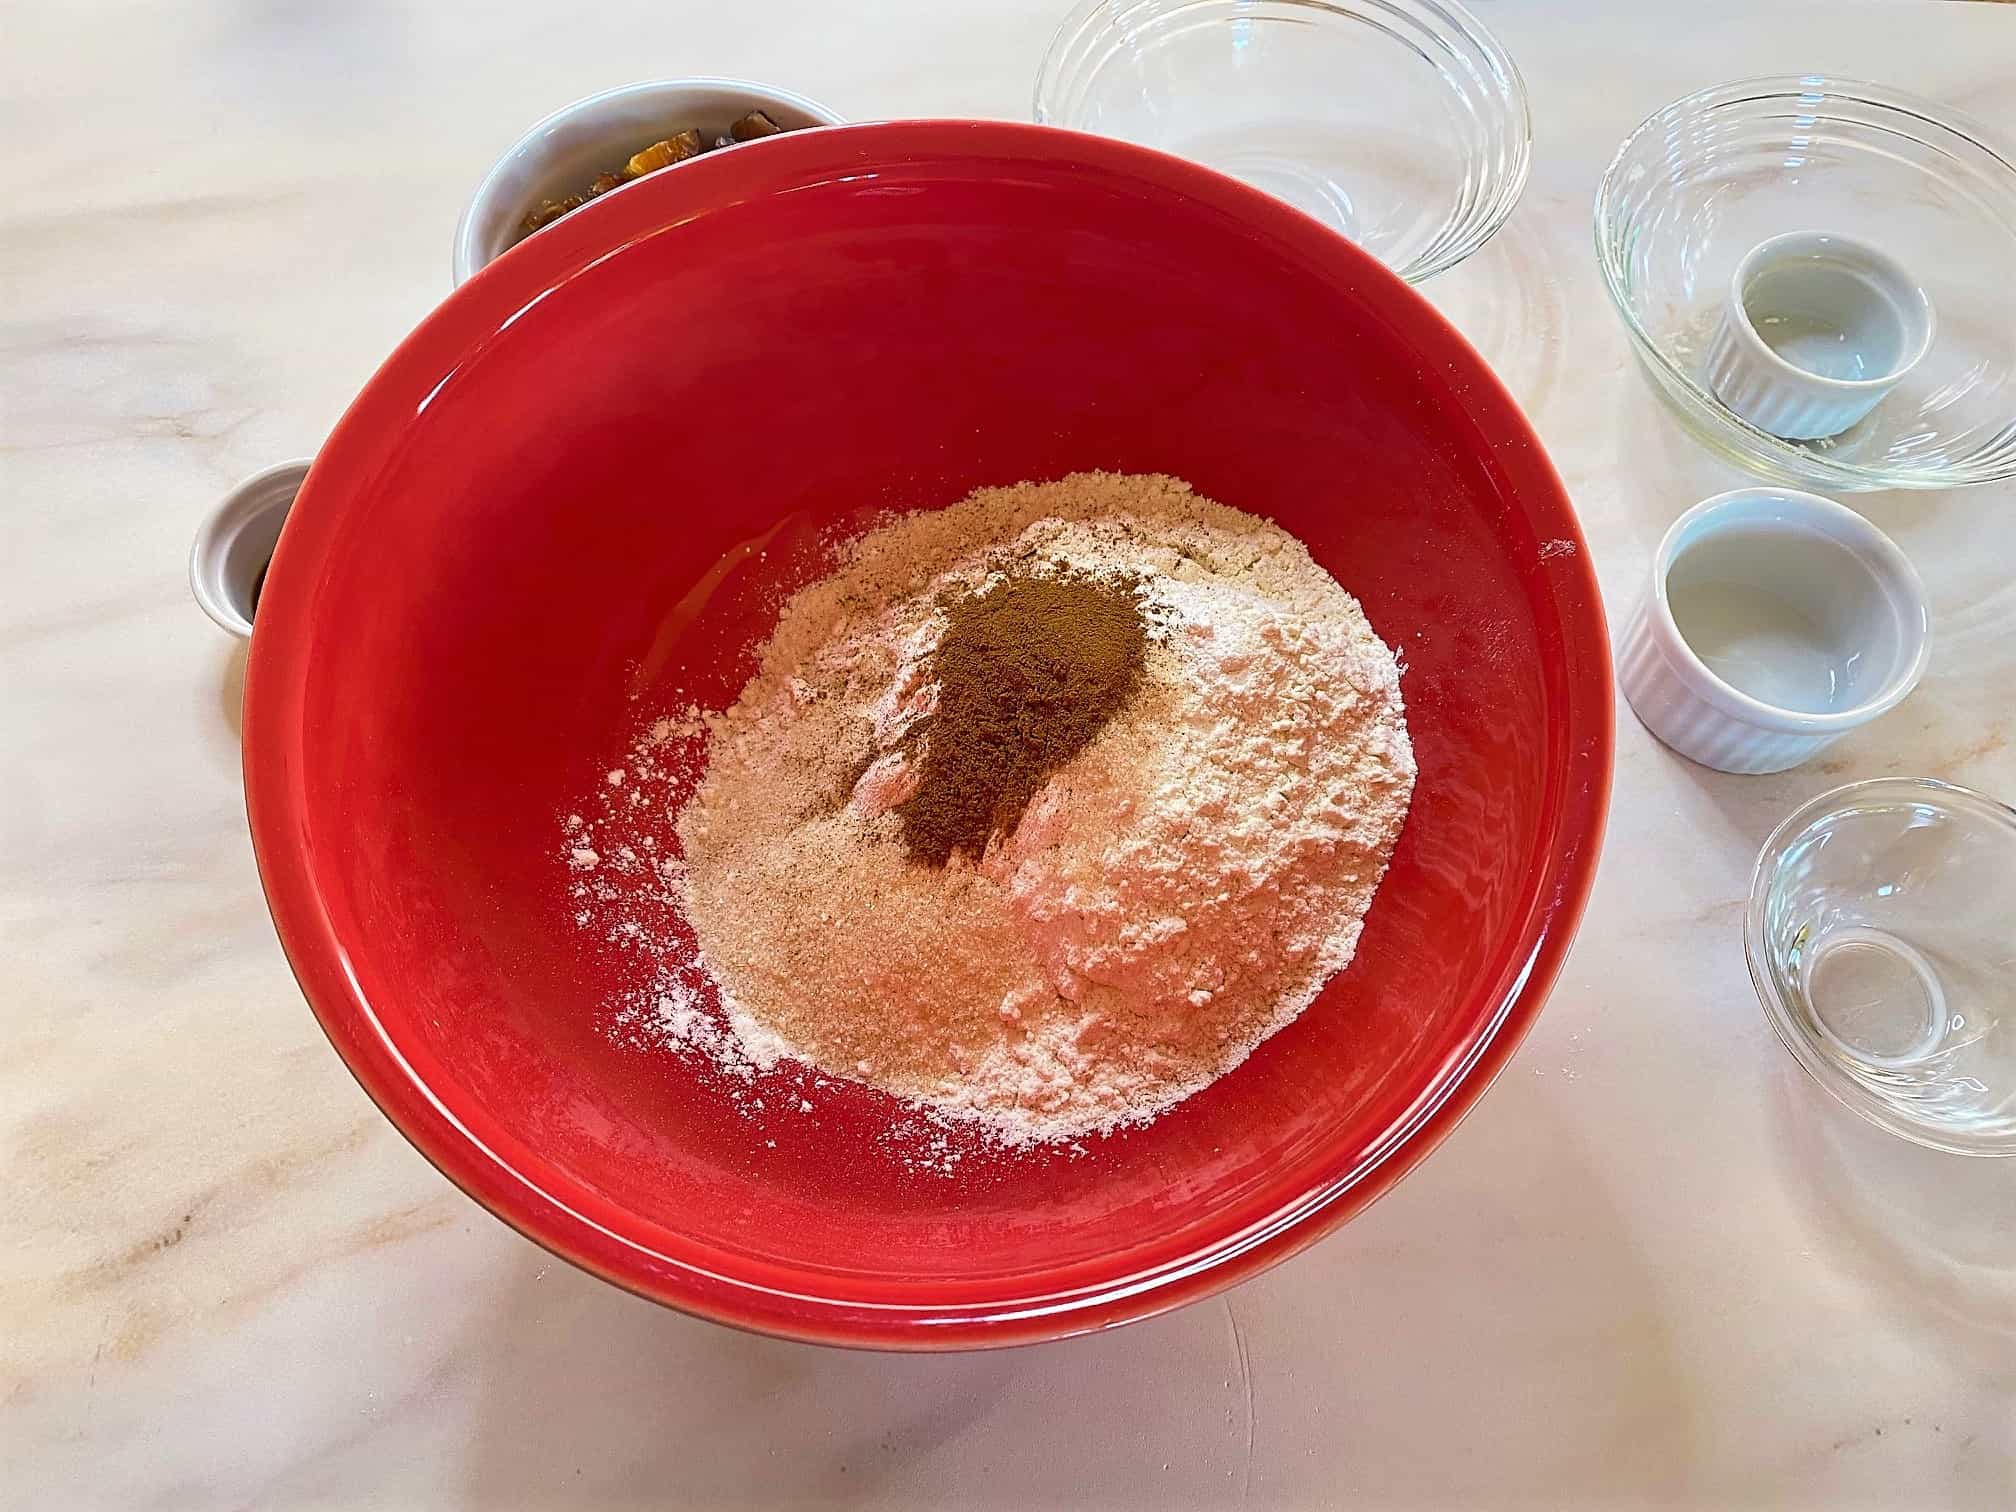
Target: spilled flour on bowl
<point>1045,923</point>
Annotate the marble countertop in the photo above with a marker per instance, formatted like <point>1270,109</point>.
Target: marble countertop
<point>1655,1267</point>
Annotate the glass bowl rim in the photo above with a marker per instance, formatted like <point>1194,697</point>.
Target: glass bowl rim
<point>1444,19</point>
<point>1801,1045</point>
<point>1780,458</point>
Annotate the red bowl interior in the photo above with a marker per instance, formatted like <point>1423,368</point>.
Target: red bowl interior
<point>523,539</point>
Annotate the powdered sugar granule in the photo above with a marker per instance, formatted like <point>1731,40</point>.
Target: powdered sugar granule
<point>1175,894</point>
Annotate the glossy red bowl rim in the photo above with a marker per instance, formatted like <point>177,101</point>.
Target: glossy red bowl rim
<point>569,1226</point>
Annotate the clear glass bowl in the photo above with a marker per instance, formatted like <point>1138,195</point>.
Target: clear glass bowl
<point>1401,123</point>
<point>1706,179</point>
<point>1879,939</point>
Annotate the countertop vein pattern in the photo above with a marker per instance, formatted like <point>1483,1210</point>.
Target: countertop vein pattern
<point>1654,1269</point>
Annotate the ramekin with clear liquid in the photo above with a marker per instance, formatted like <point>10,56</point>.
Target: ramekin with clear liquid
<point>1879,940</point>
<point>1773,622</point>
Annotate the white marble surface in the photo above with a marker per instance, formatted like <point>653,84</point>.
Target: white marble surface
<point>1654,1268</point>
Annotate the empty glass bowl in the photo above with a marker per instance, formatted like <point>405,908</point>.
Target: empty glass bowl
<point>1401,123</point>
<point>1701,183</point>
<point>1879,939</point>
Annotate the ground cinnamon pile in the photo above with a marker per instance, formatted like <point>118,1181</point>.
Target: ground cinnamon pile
<point>1029,669</point>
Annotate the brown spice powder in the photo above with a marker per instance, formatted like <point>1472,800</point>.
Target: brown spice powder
<point>1028,670</point>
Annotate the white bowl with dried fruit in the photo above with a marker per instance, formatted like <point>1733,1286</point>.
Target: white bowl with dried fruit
<point>600,143</point>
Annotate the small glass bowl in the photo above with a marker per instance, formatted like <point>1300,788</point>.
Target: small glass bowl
<point>1400,123</point>
<point>1879,940</point>
<point>1705,180</point>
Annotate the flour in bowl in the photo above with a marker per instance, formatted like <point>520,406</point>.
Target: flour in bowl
<point>1041,812</point>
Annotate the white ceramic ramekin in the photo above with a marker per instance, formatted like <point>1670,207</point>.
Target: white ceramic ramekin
<point>1784,592</point>
<point>236,541</point>
<point>1818,328</point>
<point>564,152</point>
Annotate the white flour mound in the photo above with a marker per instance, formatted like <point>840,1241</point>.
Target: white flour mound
<point>1171,897</point>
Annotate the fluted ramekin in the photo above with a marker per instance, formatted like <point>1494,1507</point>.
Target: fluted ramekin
<point>1833,571</point>
<point>1817,330</point>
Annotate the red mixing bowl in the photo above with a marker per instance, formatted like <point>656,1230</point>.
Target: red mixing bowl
<point>532,530</point>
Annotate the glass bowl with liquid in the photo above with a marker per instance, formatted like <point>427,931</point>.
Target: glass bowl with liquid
<point>1698,185</point>
<point>1879,940</point>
